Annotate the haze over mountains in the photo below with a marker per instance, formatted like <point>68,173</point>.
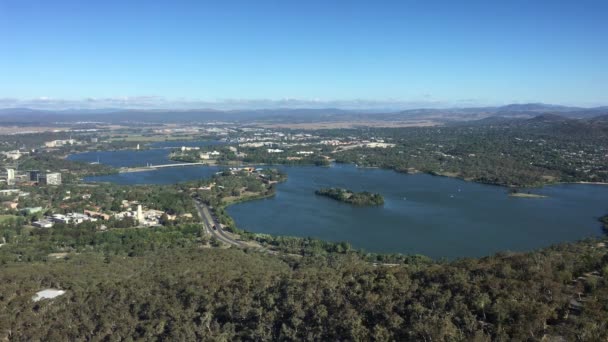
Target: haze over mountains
<point>529,110</point>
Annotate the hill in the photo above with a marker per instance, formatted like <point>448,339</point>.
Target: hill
<point>291,115</point>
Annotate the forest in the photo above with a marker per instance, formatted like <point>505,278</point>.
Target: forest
<point>518,153</point>
<point>171,289</point>
<point>73,170</point>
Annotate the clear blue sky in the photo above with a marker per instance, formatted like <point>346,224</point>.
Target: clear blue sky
<point>444,52</point>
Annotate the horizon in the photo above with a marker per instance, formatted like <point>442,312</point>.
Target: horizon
<point>265,105</point>
<point>356,55</point>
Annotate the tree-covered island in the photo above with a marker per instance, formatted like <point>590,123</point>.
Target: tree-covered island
<point>348,196</point>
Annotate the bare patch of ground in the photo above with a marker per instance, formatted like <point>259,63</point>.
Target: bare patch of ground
<point>350,124</point>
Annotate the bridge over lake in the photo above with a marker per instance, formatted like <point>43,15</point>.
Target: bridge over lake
<point>150,167</point>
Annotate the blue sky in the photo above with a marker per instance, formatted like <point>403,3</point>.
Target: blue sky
<point>349,53</point>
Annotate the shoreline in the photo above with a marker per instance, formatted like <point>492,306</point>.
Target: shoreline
<point>526,195</point>
<point>405,171</point>
<point>590,183</point>
<point>254,236</point>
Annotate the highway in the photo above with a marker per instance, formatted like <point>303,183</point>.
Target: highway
<point>208,222</point>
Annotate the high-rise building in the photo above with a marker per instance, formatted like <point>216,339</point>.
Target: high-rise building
<point>34,175</point>
<point>140,214</point>
<point>53,178</point>
<point>10,175</point>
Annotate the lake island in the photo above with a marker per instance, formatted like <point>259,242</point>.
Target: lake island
<point>348,196</point>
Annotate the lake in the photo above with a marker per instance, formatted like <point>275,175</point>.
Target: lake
<point>436,216</point>
<point>155,153</point>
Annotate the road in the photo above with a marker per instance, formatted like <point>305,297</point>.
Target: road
<point>208,222</point>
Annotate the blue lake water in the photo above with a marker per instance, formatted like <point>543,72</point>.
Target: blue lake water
<point>154,153</point>
<point>422,214</point>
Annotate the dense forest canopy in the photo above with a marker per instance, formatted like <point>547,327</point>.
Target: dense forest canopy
<point>189,293</point>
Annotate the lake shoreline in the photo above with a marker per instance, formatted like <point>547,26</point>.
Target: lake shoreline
<point>526,195</point>
<point>409,171</point>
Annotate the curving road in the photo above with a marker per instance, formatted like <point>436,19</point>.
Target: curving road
<point>209,222</point>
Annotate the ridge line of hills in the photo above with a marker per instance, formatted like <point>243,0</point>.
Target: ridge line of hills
<point>511,111</point>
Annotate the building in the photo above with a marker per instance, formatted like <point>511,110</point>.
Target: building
<point>75,218</point>
<point>59,218</point>
<point>14,155</point>
<point>10,176</point>
<point>274,150</point>
<point>59,143</point>
<point>53,178</point>
<point>43,224</point>
<point>9,192</point>
<point>96,214</point>
<point>140,214</point>
<point>34,175</point>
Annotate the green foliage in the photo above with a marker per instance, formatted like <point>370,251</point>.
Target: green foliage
<point>76,169</point>
<point>522,154</point>
<point>188,293</point>
<point>348,196</point>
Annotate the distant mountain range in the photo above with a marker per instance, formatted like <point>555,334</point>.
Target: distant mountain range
<point>529,110</point>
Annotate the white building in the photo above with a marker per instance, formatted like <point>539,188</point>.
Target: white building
<point>43,224</point>
<point>58,143</point>
<point>53,178</point>
<point>10,175</point>
<point>140,215</point>
<point>59,218</point>
<point>14,155</point>
<point>274,150</point>
<point>8,192</point>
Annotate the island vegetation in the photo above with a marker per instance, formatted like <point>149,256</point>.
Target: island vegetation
<point>348,196</point>
<point>518,193</point>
